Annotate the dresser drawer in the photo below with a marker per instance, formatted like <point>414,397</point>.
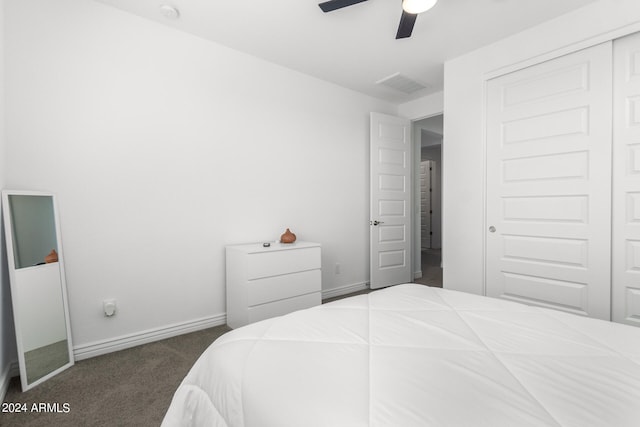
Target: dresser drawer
<point>267,264</point>
<point>280,287</point>
<point>278,308</point>
<point>266,281</point>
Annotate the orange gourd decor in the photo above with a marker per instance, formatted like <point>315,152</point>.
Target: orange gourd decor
<point>52,257</point>
<point>288,237</point>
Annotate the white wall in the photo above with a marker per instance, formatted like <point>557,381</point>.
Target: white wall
<point>421,108</point>
<point>463,147</point>
<point>7,336</point>
<point>162,148</point>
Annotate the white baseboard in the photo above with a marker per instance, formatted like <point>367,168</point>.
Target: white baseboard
<point>98,348</point>
<point>343,290</point>
<point>417,274</point>
<point>8,372</point>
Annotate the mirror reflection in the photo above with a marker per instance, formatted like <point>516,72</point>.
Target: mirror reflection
<point>34,229</point>
<point>38,289</point>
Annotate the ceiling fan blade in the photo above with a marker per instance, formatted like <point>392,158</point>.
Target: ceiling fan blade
<point>330,5</point>
<point>407,21</point>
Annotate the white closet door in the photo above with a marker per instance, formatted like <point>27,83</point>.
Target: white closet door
<point>626,179</point>
<point>548,231</point>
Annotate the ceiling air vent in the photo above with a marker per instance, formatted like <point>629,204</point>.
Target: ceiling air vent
<point>401,83</point>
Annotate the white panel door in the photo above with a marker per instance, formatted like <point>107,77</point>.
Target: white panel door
<point>390,200</point>
<point>426,172</point>
<point>626,179</point>
<point>548,234</point>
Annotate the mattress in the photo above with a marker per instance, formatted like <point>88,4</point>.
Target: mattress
<point>411,355</point>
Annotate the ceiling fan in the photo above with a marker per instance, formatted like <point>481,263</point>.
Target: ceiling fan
<point>410,11</point>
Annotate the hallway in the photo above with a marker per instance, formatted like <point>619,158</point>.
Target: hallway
<point>431,268</point>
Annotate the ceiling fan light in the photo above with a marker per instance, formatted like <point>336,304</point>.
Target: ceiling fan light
<point>417,6</point>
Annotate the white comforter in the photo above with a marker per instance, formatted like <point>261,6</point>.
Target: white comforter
<point>411,355</point>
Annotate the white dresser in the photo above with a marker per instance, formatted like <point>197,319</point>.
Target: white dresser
<point>267,282</point>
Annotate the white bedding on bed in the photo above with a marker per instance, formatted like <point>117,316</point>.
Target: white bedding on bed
<point>411,355</point>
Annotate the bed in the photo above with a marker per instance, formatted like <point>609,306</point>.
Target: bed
<point>411,355</point>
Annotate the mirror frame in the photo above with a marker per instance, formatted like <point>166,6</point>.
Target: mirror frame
<point>8,228</point>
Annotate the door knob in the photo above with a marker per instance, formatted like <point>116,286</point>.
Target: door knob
<point>492,229</point>
<point>376,222</point>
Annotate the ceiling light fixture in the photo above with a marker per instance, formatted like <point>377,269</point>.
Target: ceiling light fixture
<point>417,6</point>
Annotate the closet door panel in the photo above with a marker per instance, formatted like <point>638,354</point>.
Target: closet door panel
<point>626,179</point>
<point>548,234</point>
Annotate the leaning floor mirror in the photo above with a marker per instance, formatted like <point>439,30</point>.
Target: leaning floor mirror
<point>38,287</point>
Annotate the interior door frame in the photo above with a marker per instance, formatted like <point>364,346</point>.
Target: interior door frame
<point>424,108</point>
<point>417,222</point>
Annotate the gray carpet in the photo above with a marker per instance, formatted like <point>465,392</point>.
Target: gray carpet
<point>431,270</point>
<point>131,387</point>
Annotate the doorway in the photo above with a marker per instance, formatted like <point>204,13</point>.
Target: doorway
<point>428,224</point>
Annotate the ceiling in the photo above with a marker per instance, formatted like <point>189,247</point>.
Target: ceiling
<point>354,47</point>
